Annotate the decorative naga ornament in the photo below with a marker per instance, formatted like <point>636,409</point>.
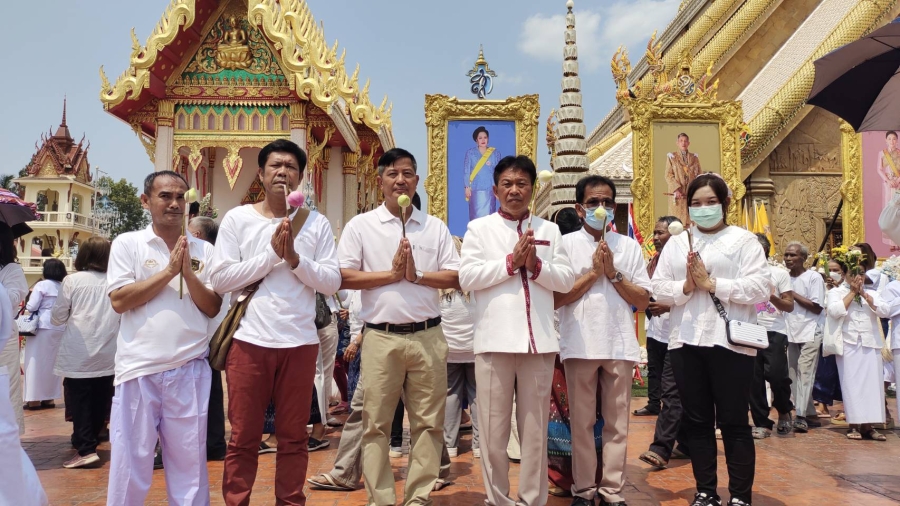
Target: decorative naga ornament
<point>481,76</point>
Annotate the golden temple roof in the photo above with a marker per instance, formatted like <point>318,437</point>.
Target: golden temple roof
<point>313,69</point>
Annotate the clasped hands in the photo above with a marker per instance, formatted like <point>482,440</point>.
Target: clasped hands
<point>283,243</point>
<point>404,265</point>
<point>525,253</point>
<point>697,275</point>
<point>180,259</point>
<point>602,261</point>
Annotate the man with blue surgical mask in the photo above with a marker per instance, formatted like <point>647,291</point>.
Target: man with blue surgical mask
<point>598,344</point>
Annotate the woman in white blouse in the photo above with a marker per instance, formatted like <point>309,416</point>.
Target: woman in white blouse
<point>87,354</point>
<point>852,316</point>
<point>892,299</point>
<point>713,376</point>
<point>13,278</point>
<point>41,385</point>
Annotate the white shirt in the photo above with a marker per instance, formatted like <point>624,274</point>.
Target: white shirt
<point>879,280</point>
<point>12,277</point>
<point>658,327</point>
<point>802,323</point>
<point>354,306</point>
<point>88,346</point>
<point>767,314</point>
<point>6,321</point>
<point>892,299</point>
<point>166,332</point>
<point>733,257</point>
<point>368,244</point>
<point>458,324</point>
<point>513,309</point>
<point>43,295</point>
<point>858,323</point>
<point>282,312</point>
<point>600,325</point>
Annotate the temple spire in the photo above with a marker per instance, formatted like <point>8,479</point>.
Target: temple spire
<point>64,112</point>
<point>571,148</point>
<point>63,130</point>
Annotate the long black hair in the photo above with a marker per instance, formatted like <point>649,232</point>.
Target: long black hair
<point>7,248</point>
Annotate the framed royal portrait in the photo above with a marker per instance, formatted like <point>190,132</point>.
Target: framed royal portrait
<point>871,165</point>
<point>676,141</point>
<point>466,140</point>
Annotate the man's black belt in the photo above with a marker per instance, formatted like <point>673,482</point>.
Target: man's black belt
<point>405,328</point>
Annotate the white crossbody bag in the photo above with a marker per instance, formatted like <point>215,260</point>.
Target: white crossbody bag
<point>748,335</point>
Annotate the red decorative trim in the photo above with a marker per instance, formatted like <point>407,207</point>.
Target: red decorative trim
<point>509,267</point>
<point>537,269</point>
<point>541,242</point>
<point>523,273</point>
<point>506,216</point>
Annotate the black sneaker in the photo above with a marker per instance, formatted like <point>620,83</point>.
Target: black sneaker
<point>704,499</point>
<point>581,501</point>
<point>315,444</point>
<point>737,502</point>
<point>157,459</point>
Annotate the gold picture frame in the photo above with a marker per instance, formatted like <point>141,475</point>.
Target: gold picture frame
<point>852,188</point>
<point>440,110</point>
<point>728,115</point>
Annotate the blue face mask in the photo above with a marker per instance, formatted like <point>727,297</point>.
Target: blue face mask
<point>706,216</point>
<point>591,221</point>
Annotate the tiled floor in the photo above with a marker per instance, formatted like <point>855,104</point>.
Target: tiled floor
<point>819,468</point>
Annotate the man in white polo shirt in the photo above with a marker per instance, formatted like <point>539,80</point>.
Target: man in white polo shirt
<point>405,349</point>
<point>273,354</point>
<point>598,343</point>
<point>162,376</point>
<point>513,269</point>
<point>804,331</point>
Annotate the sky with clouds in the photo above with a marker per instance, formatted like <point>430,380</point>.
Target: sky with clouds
<point>408,48</point>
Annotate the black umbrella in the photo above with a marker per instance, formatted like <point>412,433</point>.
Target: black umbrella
<point>860,82</point>
<point>21,229</point>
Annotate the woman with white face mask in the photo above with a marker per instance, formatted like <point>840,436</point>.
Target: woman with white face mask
<point>854,311</point>
<point>827,387</point>
<point>713,376</point>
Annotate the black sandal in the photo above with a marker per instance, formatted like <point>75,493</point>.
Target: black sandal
<point>654,459</point>
<point>873,435</point>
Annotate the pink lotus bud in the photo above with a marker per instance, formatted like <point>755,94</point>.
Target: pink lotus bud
<point>296,198</point>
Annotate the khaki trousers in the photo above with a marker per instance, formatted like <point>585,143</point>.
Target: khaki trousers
<point>497,377</point>
<point>415,364</point>
<point>613,379</point>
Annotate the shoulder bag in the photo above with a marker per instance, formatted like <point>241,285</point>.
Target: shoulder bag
<point>221,339</point>
<point>27,324</point>
<point>738,333</point>
<point>323,312</point>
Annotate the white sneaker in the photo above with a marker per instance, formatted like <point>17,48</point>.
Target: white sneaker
<point>476,452</point>
<point>396,452</point>
<point>453,452</point>
<point>79,461</point>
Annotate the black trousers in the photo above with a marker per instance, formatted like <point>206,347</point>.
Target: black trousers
<point>772,366</point>
<point>397,426</point>
<point>714,383</point>
<point>215,424</point>
<point>668,424</point>
<point>90,398</point>
<point>656,356</point>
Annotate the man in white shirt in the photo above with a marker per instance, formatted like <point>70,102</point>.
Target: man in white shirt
<point>291,254</point>
<point>598,343</point>
<point>162,376</point>
<point>771,363</point>
<point>804,330</point>
<point>206,229</point>
<point>513,265</point>
<point>405,349</point>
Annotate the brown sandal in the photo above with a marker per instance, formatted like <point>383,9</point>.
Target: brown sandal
<point>873,435</point>
<point>654,459</point>
<point>854,435</point>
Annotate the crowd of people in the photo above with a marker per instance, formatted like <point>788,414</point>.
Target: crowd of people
<point>525,323</point>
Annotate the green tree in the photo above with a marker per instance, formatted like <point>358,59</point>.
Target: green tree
<point>126,213</point>
<point>6,181</point>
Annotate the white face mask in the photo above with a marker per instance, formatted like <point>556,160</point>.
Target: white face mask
<point>836,276</point>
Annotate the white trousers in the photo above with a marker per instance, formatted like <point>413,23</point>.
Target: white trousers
<point>19,484</point>
<point>40,357</point>
<point>173,406</point>
<point>9,358</point>
<point>328,343</point>
<point>862,383</point>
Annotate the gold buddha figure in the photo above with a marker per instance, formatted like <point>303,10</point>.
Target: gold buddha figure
<point>233,52</point>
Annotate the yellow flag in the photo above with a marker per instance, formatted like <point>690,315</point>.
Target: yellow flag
<point>762,219</point>
<point>746,218</point>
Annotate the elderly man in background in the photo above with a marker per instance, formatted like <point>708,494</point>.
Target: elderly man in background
<point>513,265</point>
<point>804,330</point>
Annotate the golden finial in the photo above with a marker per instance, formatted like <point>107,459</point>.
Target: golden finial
<point>480,60</point>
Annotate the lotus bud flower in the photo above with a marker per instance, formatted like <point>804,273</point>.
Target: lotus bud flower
<point>600,214</point>
<point>676,228</point>
<point>296,198</point>
<point>404,201</point>
<point>545,176</point>
<point>191,196</point>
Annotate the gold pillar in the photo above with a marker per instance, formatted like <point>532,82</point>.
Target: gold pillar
<point>349,162</point>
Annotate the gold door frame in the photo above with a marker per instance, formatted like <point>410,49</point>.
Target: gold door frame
<point>441,109</point>
<point>852,186</point>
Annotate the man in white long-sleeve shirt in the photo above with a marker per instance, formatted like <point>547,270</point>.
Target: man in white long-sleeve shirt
<point>599,347</point>
<point>513,269</point>
<point>273,355</point>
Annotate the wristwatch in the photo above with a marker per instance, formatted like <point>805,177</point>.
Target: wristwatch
<point>419,276</point>
<point>618,277</point>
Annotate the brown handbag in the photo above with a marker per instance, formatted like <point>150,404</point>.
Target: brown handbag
<point>221,339</point>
